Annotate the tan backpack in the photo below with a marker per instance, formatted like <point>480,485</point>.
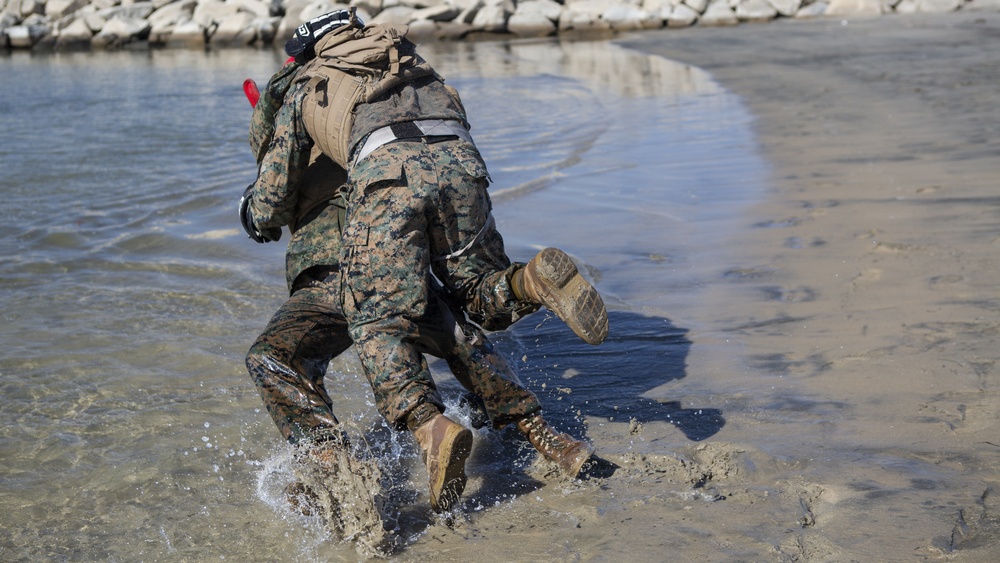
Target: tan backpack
<point>353,65</point>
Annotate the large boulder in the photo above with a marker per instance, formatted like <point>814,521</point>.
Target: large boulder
<point>814,10</point>
<point>787,8</point>
<point>697,5</point>
<point>29,32</point>
<point>584,15</point>
<point>189,34</point>
<point>682,16</point>
<point>210,13</point>
<point>718,13</point>
<point>439,13</point>
<point>755,11</point>
<point>74,37</point>
<point>258,8</point>
<point>29,7</point>
<point>165,20</point>
<point>534,18</point>
<point>397,15</point>
<point>983,5</point>
<point>856,8</point>
<point>492,16</point>
<point>623,16</point>
<point>120,31</point>
<point>56,9</point>
<point>234,30</point>
<point>937,6</point>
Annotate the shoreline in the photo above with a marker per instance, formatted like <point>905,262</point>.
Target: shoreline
<point>869,275</point>
<point>79,25</point>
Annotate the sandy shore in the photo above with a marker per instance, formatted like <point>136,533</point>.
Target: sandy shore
<point>865,281</point>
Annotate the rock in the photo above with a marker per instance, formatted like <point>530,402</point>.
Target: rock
<point>492,16</point>
<point>21,36</point>
<point>439,13</point>
<point>697,5</point>
<point>190,34</point>
<point>583,15</point>
<point>8,19</point>
<point>234,30</point>
<point>983,5</point>
<point>661,8</point>
<point>398,15</point>
<point>718,13</point>
<point>95,22</point>
<point>814,10</point>
<point>258,8</point>
<point>625,17</point>
<point>937,6</point>
<point>172,14</point>
<point>853,8</point>
<point>56,9</point>
<point>30,31</point>
<point>266,29</point>
<point>119,31</point>
<point>469,11</point>
<point>787,8</point>
<point>74,37</point>
<point>421,29</point>
<point>134,11</point>
<point>534,18</point>
<point>755,11</point>
<point>29,7</point>
<point>210,13</point>
<point>682,16</point>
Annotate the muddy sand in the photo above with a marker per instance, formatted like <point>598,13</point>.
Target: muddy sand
<point>861,402</point>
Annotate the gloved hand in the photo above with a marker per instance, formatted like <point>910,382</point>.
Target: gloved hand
<point>300,46</point>
<point>246,219</point>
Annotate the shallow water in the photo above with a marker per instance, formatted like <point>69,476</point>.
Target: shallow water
<point>129,293</point>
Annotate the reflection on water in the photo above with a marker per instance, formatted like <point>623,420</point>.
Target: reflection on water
<point>130,294</point>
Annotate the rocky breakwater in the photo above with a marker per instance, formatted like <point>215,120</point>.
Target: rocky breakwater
<point>64,25</point>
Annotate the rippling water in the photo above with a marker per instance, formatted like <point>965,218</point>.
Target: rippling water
<point>129,293</point>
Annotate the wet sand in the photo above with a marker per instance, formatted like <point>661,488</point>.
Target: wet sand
<point>866,281</point>
<point>847,344</point>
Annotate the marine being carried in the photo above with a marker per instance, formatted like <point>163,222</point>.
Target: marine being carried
<point>396,256</point>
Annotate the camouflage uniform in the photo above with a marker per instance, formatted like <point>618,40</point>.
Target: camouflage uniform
<point>289,360</point>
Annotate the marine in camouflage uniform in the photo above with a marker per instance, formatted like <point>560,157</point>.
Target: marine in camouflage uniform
<point>417,204</point>
<point>288,361</point>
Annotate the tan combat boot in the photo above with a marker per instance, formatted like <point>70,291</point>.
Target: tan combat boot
<point>562,449</point>
<point>444,446</point>
<point>551,279</point>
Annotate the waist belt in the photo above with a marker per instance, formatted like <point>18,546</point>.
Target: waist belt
<point>412,130</point>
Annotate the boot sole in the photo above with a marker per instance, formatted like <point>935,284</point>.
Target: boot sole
<point>564,292</point>
<point>450,483</point>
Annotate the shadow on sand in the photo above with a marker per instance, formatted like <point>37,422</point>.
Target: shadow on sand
<point>574,381</point>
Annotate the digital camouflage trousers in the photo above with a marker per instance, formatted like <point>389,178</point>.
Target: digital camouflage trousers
<point>288,363</point>
<point>414,207</point>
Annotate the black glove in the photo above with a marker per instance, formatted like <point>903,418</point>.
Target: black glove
<point>306,35</point>
<point>246,219</point>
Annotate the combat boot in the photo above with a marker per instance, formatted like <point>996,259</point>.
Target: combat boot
<point>444,446</point>
<point>560,448</point>
<point>551,279</point>
<point>301,498</point>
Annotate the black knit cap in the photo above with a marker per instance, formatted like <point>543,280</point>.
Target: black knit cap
<point>301,45</point>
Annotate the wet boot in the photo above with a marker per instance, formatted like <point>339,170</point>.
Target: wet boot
<point>551,279</point>
<point>301,498</point>
<point>444,446</point>
<point>560,448</point>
